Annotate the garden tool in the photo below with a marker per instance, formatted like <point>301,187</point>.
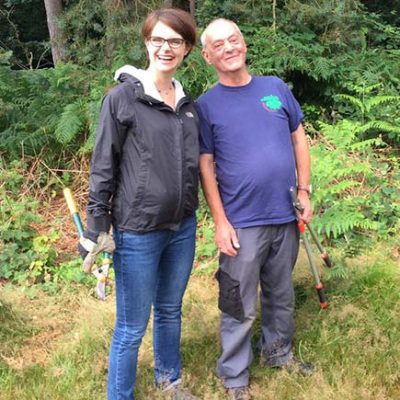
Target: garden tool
<point>302,229</point>
<point>101,273</point>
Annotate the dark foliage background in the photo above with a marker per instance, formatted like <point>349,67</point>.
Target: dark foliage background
<point>341,59</point>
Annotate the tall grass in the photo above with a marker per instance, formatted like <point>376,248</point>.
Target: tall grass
<point>57,347</point>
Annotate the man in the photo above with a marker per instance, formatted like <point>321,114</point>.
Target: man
<point>253,149</point>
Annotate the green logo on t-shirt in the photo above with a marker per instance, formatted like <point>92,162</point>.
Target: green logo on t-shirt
<point>271,103</point>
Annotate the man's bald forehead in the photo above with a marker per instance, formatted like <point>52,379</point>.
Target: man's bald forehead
<point>214,25</point>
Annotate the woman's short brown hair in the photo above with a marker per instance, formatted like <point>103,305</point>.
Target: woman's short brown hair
<point>178,20</point>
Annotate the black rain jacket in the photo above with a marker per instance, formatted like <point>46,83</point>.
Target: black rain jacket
<point>144,168</point>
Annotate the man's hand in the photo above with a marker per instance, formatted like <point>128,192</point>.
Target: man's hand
<point>226,239</point>
<point>304,200</point>
<point>91,244</point>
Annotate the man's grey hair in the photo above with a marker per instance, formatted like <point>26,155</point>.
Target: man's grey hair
<point>203,37</point>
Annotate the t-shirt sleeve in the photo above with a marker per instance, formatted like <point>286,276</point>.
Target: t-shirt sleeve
<point>293,109</point>
<point>206,137</point>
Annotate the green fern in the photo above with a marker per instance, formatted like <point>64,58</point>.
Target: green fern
<point>380,100</point>
<point>376,114</point>
<point>352,100</point>
<point>347,173</point>
<point>71,122</point>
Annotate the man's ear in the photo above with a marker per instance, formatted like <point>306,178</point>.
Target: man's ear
<point>206,56</point>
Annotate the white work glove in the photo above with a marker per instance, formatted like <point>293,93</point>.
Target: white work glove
<point>91,244</point>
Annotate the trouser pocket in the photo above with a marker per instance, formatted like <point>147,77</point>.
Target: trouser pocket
<point>229,300</point>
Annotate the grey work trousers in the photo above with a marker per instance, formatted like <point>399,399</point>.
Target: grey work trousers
<point>267,256</point>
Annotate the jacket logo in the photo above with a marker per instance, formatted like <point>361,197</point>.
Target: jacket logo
<point>189,114</point>
<point>271,103</point>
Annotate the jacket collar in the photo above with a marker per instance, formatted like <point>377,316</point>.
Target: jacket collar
<point>143,77</point>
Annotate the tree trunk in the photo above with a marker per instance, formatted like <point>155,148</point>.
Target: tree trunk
<point>192,7</point>
<point>54,10</point>
<point>274,15</point>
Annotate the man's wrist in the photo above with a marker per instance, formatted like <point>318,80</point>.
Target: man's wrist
<point>305,188</point>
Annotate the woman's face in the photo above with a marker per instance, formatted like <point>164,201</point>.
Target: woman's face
<point>165,56</point>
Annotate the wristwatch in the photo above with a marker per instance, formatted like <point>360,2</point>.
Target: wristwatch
<point>306,188</point>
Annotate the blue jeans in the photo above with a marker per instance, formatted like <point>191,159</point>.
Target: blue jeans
<point>151,268</point>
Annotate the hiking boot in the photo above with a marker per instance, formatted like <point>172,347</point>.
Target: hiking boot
<point>239,393</point>
<point>177,392</point>
<point>295,365</point>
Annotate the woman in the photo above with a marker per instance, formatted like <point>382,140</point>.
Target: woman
<point>144,180</point>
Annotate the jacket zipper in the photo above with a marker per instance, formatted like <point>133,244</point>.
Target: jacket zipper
<point>179,209</point>
<point>181,194</point>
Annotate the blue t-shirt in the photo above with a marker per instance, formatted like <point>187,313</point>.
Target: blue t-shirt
<point>248,131</point>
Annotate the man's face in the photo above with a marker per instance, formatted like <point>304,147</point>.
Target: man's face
<point>225,47</point>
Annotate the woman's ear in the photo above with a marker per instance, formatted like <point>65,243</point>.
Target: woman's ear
<point>146,42</point>
<point>188,48</point>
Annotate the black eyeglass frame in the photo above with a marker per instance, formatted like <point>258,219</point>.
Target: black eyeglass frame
<point>173,43</point>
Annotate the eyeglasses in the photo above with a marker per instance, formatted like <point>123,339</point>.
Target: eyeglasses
<point>173,43</point>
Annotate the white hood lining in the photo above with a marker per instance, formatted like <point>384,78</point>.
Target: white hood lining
<point>147,82</point>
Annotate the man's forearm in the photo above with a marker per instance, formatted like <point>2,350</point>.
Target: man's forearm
<point>210,188</point>
<point>302,157</point>
<point>225,235</point>
<point>303,167</point>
